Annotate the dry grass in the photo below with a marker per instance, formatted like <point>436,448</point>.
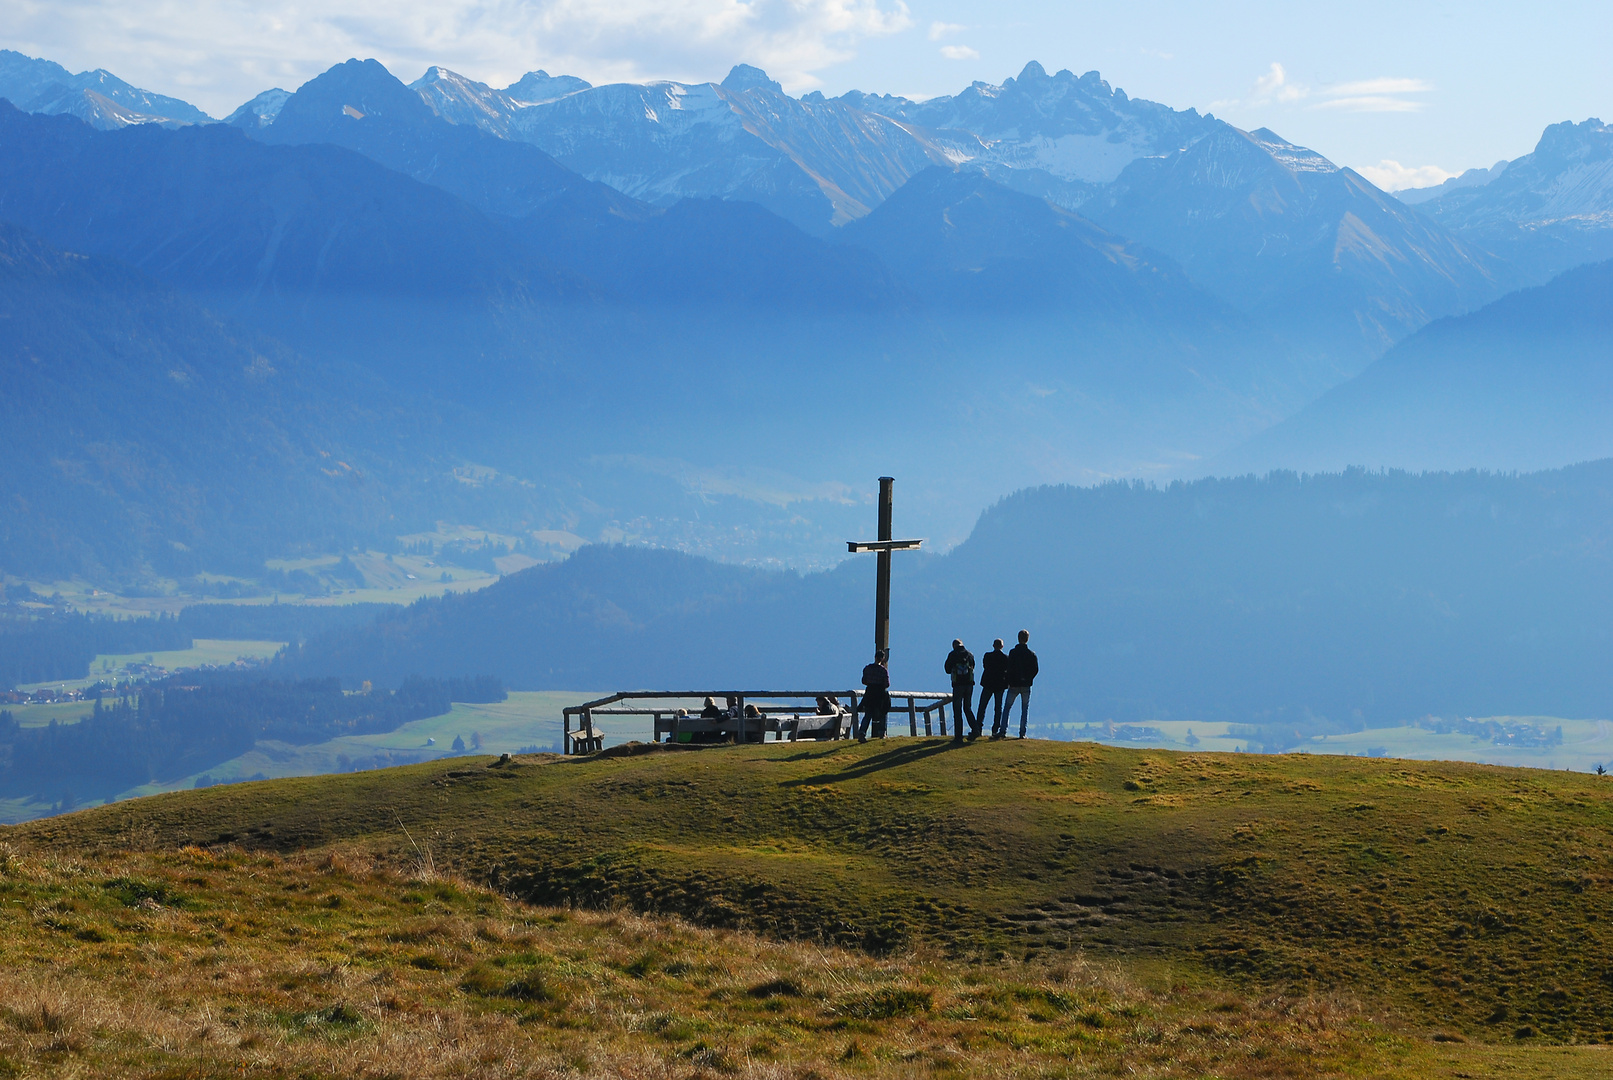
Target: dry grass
<point>1036,910</point>
<point>198,963</point>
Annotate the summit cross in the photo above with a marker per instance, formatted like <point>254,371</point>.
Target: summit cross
<point>882,587</point>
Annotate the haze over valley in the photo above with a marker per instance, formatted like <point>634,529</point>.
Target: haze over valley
<point>366,342</point>
<point>444,491</point>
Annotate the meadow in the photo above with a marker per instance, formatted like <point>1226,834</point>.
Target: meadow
<point>1586,743</point>
<point>896,909</point>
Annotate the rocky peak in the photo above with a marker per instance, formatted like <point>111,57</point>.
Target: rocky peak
<point>1567,143</point>
<point>539,87</point>
<point>745,77</point>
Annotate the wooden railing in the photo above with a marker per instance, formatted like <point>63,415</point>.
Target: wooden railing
<point>782,720</point>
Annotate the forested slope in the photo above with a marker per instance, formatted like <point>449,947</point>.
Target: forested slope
<point>1297,604</point>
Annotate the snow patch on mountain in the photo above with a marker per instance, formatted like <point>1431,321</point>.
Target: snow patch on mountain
<point>261,111</point>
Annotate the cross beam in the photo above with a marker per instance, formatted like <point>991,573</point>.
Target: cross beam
<point>882,549</point>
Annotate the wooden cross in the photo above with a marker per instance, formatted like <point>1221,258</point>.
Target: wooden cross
<point>884,546</point>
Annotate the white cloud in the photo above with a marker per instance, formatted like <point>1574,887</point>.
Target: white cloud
<point>939,30</point>
<point>1393,176</point>
<point>959,52</point>
<point>1274,86</point>
<point>1382,95</point>
<point>1379,87</point>
<point>1375,95</point>
<point>1371,103</point>
<point>220,53</point>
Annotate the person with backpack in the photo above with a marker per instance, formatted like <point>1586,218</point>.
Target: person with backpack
<point>993,681</point>
<point>1022,671</point>
<point>960,664</point>
<point>876,703</point>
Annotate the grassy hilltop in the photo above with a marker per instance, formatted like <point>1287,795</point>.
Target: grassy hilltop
<point>896,909</point>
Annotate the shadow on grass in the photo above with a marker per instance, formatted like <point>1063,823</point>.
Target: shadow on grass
<point>889,759</point>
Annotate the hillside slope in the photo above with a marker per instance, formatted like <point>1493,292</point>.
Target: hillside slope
<point>120,395</point>
<point>1464,899</point>
<point>1305,605</point>
<point>1523,383</point>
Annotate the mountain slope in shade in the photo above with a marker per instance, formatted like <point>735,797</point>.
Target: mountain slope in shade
<point>729,256</point>
<point>1058,136</point>
<point>1546,211</point>
<point>955,236</point>
<point>207,208</point>
<point>1072,308</point>
<point>140,434</point>
<point>1279,230</point>
<point>97,97</point>
<point>1523,383</point>
<point>317,246</point>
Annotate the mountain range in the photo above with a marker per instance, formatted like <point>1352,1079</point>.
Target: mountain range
<point>692,314</point>
<point>97,97</point>
<point>1251,218</point>
<point>1545,212</point>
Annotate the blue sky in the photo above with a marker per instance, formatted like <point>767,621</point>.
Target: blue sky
<point>1433,87</point>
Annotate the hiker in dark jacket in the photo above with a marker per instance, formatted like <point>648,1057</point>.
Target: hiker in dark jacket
<point>961,666</point>
<point>993,681</point>
<point>1021,673</point>
<point>876,703</point>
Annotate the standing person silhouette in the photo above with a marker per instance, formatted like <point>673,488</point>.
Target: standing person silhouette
<point>961,666</point>
<point>1022,669</point>
<point>993,681</point>
<point>876,704</point>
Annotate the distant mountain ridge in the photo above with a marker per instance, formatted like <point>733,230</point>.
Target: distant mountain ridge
<point>361,106</point>
<point>1057,136</point>
<point>1546,211</point>
<point>1252,218</point>
<point>1278,229</point>
<point>98,97</point>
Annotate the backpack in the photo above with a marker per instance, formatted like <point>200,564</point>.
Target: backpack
<point>963,668</point>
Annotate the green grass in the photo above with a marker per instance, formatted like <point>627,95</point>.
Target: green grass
<point>1468,899</point>
<point>66,712</point>
<point>1006,909</point>
<point>202,651</point>
<point>226,963</point>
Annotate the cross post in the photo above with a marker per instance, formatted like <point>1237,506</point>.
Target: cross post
<point>882,578</point>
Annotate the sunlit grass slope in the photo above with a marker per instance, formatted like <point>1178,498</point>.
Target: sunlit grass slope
<point>1223,914</point>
